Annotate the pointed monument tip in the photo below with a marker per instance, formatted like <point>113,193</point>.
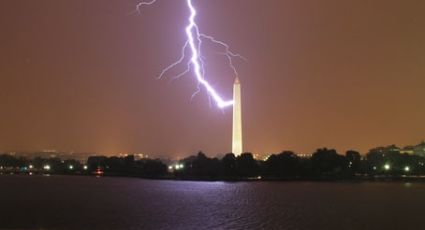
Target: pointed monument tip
<point>237,80</point>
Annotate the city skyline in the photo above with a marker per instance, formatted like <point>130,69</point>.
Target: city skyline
<point>81,76</point>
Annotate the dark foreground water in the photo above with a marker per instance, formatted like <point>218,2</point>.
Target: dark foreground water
<point>60,202</point>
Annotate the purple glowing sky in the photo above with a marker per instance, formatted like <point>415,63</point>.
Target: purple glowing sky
<point>82,75</point>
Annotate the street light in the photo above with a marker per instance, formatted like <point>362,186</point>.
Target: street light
<point>407,169</point>
<point>179,166</point>
<point>387,167</point>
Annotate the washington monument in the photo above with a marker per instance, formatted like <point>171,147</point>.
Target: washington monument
<point>237,119</point>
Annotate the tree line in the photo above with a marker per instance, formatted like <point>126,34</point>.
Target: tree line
<point>323,164</point>
<point>97,165</point>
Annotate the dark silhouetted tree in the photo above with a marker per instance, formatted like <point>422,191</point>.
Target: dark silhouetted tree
<point>328,163</point>
<point>283,165</point>
<point>354,162</point>
<point>246,165</point>
<point>228,163</point>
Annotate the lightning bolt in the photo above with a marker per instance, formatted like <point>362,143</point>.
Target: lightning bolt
<point>196,61</point>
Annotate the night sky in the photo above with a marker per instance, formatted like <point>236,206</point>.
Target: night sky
<point>78,75</point>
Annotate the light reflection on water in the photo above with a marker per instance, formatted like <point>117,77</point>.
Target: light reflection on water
<point>59,202</point>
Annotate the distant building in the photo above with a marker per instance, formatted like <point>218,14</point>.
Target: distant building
<point>410,150</point>
<point>386,149</point>
<point>418,150</point>
<point>415,150</point>
<point>305,155</point>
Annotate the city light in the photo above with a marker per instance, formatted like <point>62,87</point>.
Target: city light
<point>387,167</point>
<point>85,167</point>
<point>31,166</point>
<point>46,167</point>
<point>71,167</point>
<point>266,157</point>
<point>176,167</point>
<point>407,169</point>
<point>99,171</point>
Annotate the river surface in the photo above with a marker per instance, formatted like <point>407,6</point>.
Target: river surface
<point>78,202</point>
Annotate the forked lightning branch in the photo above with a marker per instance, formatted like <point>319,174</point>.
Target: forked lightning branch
<point>195,62</point>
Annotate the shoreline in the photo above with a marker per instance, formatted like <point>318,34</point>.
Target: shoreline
<point>358,179</point>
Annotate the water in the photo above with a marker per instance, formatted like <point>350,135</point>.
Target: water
<point>61,202</point>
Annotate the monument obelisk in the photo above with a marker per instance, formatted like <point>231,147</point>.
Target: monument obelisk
<point>237,119</point>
